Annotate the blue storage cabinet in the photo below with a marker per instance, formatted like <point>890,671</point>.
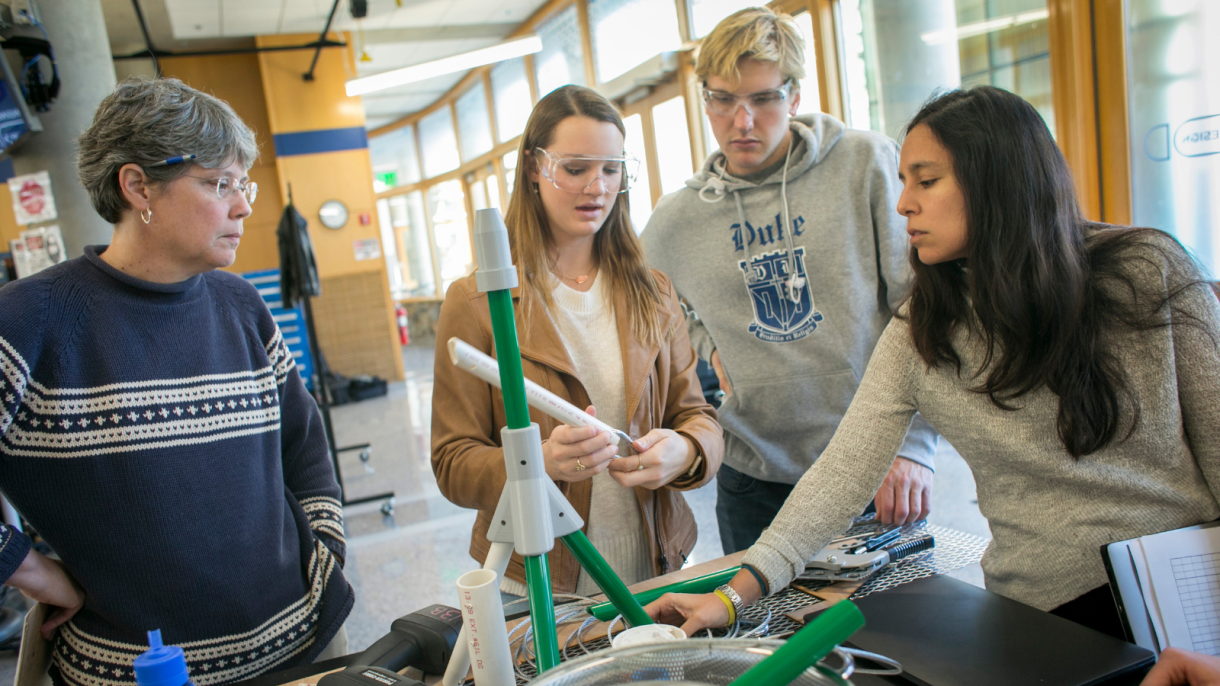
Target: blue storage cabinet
<point>291,322</point>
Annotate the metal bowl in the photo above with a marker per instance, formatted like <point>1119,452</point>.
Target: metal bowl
<point>693,662</point>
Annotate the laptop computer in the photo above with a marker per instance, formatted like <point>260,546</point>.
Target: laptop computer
<point>947,632</point>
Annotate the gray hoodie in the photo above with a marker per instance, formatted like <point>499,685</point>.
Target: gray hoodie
<point>794,314</point>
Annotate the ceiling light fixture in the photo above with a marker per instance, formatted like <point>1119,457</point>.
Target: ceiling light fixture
<point>447,65</point>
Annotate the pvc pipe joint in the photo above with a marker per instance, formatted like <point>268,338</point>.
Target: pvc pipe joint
<point>496,271</point>
<point>530,502</point>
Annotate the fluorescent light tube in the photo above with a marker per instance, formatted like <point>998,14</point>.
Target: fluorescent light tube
<point>447,65</point>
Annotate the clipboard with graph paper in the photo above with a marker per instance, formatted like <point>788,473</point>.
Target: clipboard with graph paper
<point>1167,588</point>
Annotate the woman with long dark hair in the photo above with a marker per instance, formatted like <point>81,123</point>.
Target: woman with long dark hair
<point>1074,365</point>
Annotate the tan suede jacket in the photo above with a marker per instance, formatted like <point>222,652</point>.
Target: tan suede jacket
<point>662,390</point>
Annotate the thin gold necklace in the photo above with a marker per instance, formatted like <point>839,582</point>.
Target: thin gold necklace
<point>579,279</point>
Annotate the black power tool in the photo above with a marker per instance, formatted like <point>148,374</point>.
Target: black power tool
<point>423,639</point>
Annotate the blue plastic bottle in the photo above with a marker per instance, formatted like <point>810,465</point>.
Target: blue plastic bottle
<point>161,665</point>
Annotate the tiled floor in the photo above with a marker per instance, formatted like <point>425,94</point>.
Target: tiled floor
<point>407,561</point>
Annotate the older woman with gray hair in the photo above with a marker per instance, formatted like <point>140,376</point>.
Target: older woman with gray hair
<point>153,427</point>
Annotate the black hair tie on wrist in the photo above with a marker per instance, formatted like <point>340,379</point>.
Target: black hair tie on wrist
<point>762,583</point>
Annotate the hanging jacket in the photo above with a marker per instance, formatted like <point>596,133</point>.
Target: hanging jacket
<point>662,391</point>
<point>792,280</point>
<point>298,268</point>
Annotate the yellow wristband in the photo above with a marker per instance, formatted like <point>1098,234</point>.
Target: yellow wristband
<point>727,603</point>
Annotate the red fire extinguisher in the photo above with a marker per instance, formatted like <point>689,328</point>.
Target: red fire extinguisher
<point>404,335</point>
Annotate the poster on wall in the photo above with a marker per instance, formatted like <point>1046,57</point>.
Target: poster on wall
<point>38,249</point>
<point>32,199</point>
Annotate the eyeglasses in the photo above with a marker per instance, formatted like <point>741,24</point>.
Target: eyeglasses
<point>578,173</point>
<point>225,187</point>
<point>763,102</point>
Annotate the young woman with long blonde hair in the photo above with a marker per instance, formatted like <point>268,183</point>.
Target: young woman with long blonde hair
<point>598,328</point>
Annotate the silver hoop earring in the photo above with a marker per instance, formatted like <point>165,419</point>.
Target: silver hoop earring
<point>148,218</point>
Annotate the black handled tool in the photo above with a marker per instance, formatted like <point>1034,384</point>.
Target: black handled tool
<point>423,639</point>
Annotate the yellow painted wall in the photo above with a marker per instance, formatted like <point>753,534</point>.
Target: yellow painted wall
<point>298,105</point>
<point>237,80</point>
<point>347,176</point>
<point>9,229</point>
<point>294,105</point>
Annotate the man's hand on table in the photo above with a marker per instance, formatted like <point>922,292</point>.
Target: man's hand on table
<point>693,613</point>
<point>1184,668</point>
<point>905,497</point>
<point>44,580</point>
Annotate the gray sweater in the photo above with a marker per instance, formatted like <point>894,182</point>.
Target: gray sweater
<point>794,357</point>
<point>1049,513</point>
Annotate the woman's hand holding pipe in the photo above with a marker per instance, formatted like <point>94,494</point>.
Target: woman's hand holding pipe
<point>662,455</point>
<point>698,612</point>
<point>577,453</point>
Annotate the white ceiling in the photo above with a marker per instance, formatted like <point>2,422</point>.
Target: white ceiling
<point>396,33</point>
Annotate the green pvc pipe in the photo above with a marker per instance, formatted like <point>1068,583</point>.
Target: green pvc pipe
<point>605,578</point>
<point>516,410</point>
<point>806,647</point>
<point>700,584</point>
<point>508,355</point>
<point>542,612</point>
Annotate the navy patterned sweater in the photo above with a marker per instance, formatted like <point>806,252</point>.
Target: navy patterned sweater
<point>160,439</point>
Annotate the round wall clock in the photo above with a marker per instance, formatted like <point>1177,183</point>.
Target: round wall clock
<point>333,214</point>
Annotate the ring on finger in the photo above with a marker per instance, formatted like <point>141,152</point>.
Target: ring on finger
<point>639,463</point>
<point>580,467</point>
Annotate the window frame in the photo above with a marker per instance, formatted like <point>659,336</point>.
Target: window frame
<point>1088,65</point>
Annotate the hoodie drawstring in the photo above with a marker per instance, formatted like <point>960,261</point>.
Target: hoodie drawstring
<point>795,281</point>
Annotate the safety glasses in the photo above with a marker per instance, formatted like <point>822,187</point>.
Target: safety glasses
<point>763,102</point>
<point>580,173</point>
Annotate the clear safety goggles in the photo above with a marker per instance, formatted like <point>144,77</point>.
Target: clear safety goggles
<point>580,173</point>
<point>724,104</point>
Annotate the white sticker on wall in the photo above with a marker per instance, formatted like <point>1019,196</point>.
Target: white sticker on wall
<point>32,199</point>
<point>367,249</point>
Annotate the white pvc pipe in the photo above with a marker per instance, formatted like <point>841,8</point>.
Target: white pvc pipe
<point>473,360</point>
<point>486,634</point>
<point>459,661</point>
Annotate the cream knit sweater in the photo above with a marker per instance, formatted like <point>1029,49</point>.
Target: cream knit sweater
<point>1049,513</point>
<point>586,324</point>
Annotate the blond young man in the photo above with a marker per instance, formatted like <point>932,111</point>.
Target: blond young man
<point>791,256</point>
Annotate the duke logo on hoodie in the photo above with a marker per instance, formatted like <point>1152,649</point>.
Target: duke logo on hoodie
<point>781,313</point>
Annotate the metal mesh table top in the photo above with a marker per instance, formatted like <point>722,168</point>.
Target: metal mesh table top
<point>954,550</point>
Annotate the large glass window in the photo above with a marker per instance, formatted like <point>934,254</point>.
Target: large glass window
<point>673,144</point>
<point>439,142</point>
<point>474,122</point>
<point>447,203</point>
<point>640,191</point>
<point>562,59</point>
<point>628,32</point>
<point>408,250</point>
<point>509,163</point>
<point>896,53</point>
<point>811,100</point>
<point>395,159</point>
<point>708,13</point>
<point>510,90</point>
<point>1172,72</point>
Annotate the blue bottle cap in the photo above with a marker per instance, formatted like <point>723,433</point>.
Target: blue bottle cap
<point>161,665</point>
